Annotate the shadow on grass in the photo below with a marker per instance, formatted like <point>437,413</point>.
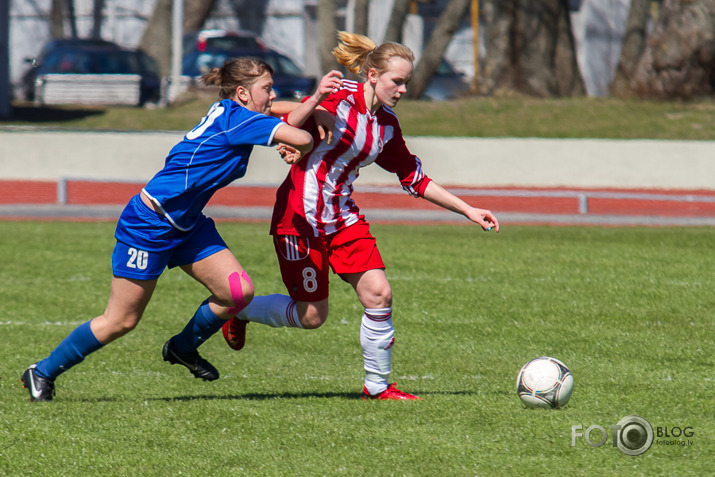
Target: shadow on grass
<point>47,114</point>
<point>328,395</point>
<point>262,396</point>
<point>270,396</point>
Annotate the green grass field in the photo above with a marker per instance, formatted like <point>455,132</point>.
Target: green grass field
<point>630,310</point>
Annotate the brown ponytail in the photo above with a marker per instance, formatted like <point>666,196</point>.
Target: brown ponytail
<point>243,71</point>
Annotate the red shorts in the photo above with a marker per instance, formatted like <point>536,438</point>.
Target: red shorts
<point>304,260</point>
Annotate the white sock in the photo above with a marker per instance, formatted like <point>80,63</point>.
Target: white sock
<point>276,310</point>
<point>376,337</point>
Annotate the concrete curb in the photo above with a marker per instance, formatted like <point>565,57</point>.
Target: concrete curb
<point>30,154</point>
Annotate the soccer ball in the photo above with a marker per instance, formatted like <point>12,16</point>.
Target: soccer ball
<point>544,382</point>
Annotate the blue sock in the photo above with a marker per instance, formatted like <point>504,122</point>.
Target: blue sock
<point>72,350</point>
<point>200,327</point>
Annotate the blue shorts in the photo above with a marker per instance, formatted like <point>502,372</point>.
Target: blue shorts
<point>147,243</point>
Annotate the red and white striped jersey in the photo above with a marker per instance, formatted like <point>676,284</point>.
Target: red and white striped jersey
<point>315,199</point>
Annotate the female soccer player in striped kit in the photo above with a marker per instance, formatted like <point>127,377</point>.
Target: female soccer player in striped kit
<point>316,223</point>
<point>164,226</point>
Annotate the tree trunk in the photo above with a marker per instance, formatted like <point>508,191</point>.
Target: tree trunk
<point>496,36</point>
<point>97,7</point>
<point>156,40</point>
<point>444,30</point>
<point>328,35</point>
<point>678,59</point>
<point>5,106</point>
<point>530,48</point>
<point>634,42</point>
<point>72,18</point>
<point>397,19</point>
<point>360,15</point>
<point>195,13</point>
<point>57,19</point>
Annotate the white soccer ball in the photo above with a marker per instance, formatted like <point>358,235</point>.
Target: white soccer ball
<point>544,382</point>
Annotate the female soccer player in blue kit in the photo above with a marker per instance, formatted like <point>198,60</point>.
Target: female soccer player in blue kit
<point>164,226</point>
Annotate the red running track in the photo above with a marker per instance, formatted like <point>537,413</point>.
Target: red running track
<point>645,202</point>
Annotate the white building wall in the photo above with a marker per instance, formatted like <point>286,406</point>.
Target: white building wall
<point>460,51</point>
<point>284,29</point>
<point>29,29</point>
<point>599,27</point>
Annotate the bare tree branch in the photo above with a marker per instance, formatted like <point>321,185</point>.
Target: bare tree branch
<point>97,7</point>
<point>360,15</point>
<point>196,12</point>
<point>57,19</point>
<point>72,18</point>
<point>633,47</point>
<point>397,19</point>
<point>156,40</point>
<point>328,35</point>
<point>447,25</point>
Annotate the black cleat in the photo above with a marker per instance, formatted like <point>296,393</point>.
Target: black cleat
<point>198,366</point>
<point>41,389</point>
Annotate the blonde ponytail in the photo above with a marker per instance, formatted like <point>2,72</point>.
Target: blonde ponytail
<point>352,50</point>
<point>359,53</point>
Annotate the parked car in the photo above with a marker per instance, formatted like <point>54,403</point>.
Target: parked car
<point>447,83</point>
<point>222,40</point>
<point>288,79</point>
<point>93,57</point>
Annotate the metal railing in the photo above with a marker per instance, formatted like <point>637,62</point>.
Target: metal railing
<point>582,196</point>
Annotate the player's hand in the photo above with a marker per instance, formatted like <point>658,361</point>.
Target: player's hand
<point>325,122</point>
<point>483,217</point>
<point>329,83</point>
<point>289,154</point>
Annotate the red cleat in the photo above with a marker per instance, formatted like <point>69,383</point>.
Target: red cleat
<point>390,394</point>
<point>234,332</point>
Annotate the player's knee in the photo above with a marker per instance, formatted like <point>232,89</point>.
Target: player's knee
<point>312,321</point>
<point>313,315</point>
<point>230,301</point>
<point>382,296</point>
<point>248,294</point>
<point>125,324</point>
<point>241,292</point>
<point>128,326</point>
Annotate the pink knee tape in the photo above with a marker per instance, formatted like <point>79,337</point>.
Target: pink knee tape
<point>234,283</point>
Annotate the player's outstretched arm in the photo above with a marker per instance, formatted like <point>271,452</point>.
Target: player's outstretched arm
<point>293,143</point>
<point>323,119</point>
<point>440,196</point>
<point>329,83</point>
<point>281,108</point>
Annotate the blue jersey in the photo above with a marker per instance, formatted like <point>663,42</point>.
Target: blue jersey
<point>211,156</point>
